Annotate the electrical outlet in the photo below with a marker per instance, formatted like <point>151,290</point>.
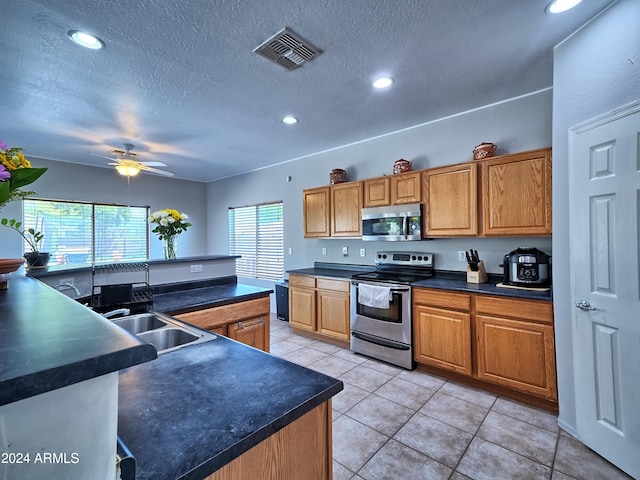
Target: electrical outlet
<point>324,251</point>
<point>461,256</point>
<point>345,251</point>
<point>196,268</point>
<point>363,252</point>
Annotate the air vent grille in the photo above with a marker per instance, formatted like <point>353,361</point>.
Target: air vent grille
<point>287,49</point>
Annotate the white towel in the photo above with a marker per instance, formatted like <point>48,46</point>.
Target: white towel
<point>374,296</point>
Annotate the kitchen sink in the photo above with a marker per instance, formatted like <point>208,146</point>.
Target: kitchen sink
<point>162,331</point>
<point>167,338</point>
<point>140,323</point>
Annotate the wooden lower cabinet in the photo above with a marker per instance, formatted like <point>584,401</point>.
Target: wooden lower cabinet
<point>442,336</point>
<point>301,450</point>
<point>246,322</point>
<point>515,345</point>
<point>320,305</point>
<point>504,341</point>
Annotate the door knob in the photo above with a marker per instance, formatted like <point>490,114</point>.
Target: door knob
<point>584,305</point>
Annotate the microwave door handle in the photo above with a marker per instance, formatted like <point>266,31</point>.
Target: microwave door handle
<point>405,226</point>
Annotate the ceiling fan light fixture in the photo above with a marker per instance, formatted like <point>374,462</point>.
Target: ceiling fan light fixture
<point>85,40</point>
<point>127,170</point>
<point>382,82</point>
<point>559,6</point>
<point>289,120</point>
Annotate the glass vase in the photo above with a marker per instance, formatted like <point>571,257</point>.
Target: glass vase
<point>170,247</point>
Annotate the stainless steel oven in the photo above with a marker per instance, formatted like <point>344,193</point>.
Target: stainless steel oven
<point>381,324</point>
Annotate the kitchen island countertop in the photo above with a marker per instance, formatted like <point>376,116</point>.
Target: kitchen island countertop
<point>195,409</point>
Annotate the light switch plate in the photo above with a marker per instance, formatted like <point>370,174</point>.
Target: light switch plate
<point>196,268</point>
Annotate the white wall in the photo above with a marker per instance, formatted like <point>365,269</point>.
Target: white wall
<point>520,124</point>
<point>595,71</point>
<point>65,181</point>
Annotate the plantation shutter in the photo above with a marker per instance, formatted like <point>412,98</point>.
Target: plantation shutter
<point>256,233</point>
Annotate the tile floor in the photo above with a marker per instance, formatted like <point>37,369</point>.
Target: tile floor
<point>391,423</point>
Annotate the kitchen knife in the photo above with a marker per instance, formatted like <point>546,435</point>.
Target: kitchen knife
<point>473,264</point>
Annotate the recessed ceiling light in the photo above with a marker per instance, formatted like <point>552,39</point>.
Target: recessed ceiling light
<point>289,120</point>
<point>85,40</point>
<point>559,6</point>
<point>383,82</point>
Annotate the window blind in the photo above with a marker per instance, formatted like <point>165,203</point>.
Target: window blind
<point>87,233</point>
<point>256,233</point>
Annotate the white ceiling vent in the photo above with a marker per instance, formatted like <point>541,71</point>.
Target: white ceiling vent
<point>287,49</point>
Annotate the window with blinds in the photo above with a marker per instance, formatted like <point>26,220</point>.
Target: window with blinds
<point>256,233</point>
<point>87,233</point>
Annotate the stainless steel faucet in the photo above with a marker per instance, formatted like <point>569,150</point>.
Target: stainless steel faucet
<point>67,286</point>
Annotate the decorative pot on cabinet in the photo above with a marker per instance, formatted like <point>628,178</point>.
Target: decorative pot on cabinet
<point>402,165</point>
<point>484,150</point>
<point>337,175</point>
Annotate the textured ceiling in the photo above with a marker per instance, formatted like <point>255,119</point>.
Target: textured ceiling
<point>179,78</point>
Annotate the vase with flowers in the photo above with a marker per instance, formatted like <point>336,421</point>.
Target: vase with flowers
<point>15,172</point>
<point>169,224</point>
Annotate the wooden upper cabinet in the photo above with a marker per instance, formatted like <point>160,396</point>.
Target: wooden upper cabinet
<point>317,212</point>
<point>451,195</point>
<point>346,209</point>
<point>377,192</point>
<point>405,188</point>
<point>516,194</point>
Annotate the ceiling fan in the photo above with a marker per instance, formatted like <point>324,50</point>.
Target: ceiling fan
<point>126,164</point>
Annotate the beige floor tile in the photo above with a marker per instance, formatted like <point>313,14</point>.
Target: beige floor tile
<point>534,416</point>
<point>380,414</point>
<point>458,476</point>
<point>487,461</point>
<point>383,367</point>
<point>561,476</point>
<point>332,366</point>
<point>365,378</point>
<point>350,356</point>
<point>435,439</point>
<point>469,394</point>
<point>283,347</point>
<point>405,393</point>
<point>348,397</point>
<point>576,460</point>
<point>426,380</point>
<point>354,444</point>
<point>520,437</point>
<point>325,347</point>
<point>304,356</point>
<point>398,462</point>
<point>340,472</point>
<point>300,340</point>
<point>457,413</point>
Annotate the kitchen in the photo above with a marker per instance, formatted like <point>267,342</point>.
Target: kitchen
<point>519,124</point>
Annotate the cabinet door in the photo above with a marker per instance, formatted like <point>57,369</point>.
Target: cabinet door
<point>251,332</point>
<point>316,210</point>
<point>346,209</point>
<point>516,194</point>
<point>333,314</point>
<point>451,196</point>
<point>517,354</point>
<point>377,192</point>
<point>405,188</point>
<point>302,308</point>
<point>442,338</point>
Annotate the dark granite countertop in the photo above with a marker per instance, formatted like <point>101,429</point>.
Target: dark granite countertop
<point>194,410</point>
<point>188,299</point>
<point>333,270</point>
<point>49,341</point>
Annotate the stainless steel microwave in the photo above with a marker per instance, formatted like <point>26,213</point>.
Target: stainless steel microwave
<point>395,223</point>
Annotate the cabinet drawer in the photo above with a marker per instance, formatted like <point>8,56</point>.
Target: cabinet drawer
<point>302,281</point>
<point>442,298</point>
<point>337,285</point>
<point>207,319</point>
<point>530,310</point>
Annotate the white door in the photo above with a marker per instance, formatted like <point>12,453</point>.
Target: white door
<point>604,167</point>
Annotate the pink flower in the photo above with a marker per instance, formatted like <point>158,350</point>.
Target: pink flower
<point>4,173</point>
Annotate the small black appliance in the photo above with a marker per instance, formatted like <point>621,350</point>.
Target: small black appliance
<point>527,267</point>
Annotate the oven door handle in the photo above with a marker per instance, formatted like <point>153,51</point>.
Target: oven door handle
<point>393,290</point>
<point>380,341</point>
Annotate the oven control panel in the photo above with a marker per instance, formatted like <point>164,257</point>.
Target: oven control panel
<point>417,259</point>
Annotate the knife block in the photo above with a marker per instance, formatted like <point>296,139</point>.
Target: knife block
<point>477,277</point>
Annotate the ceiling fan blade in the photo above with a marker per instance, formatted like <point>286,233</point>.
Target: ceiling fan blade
<point>153,164</point>
<point>144,168</point>
<point>100,155</point>
<point>114,163</point>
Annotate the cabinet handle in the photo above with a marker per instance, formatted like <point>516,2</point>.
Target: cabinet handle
<point>251,323</point>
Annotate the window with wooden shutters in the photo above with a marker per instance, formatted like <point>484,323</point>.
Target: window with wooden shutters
<point>87,233</point>
<point>256,233</point>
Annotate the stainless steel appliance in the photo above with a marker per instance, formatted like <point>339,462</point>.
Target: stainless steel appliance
<point>381,306</point>
<point>527,267</point>
<point>394,223</point>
